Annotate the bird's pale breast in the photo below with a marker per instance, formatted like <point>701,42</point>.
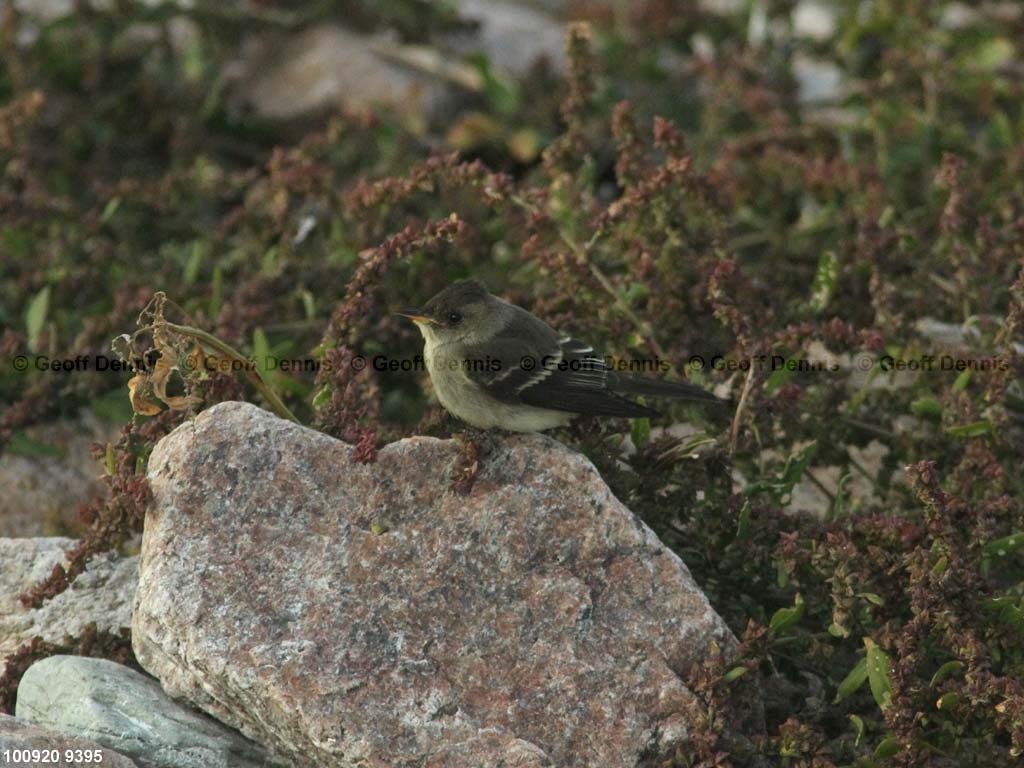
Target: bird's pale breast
<point>465,399</point>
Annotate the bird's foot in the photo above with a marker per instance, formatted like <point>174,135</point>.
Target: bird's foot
<point>474,446</point>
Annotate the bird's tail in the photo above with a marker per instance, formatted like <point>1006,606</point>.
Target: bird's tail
<point>677,390</point>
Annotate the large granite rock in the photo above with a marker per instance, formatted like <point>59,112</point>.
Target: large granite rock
<point>18,737</point>
<point>124,710</point>
<point>103,594</point>
<point>362,614</point>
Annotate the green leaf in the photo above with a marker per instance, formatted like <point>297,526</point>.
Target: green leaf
<point>853,681</point>
<point>110,209</point>
<point>974,429</point>
<point>824,283</point>
<point>786,618</point>
<point>927,408</point>
<point>35,317</point>
<point>1011,610</point>
<point>192,60</point>
<point>640,430</point>
<point>858,728</point>
<point>781,574</point>
<point>196,253</point>
<point>838,630</point>
<point>842,500</point>
<point>994,53</point>
<point>878,674</point>
<point>1004,546</point>
<point>110,459</point>
<point>948,701</point>
<point>998,603</point>
<point>271,261</point>
<point>322,397</point>
<point>872,598</point>
<point>781,487</point>
<point>21,444</point>
<point>947,669</point>
<point>18,242</point>
<point>734,674</point>
<point>635,293</point>
<point>999,133</point>
<point>308,304</point>
<point>795,467</point>
<point>961,381</point>
<point>503,95</point>
<point>261,352</point>
<point>113,407</point>
<point>777,379</point>
<point>887,747</point>
<point>743,523</point>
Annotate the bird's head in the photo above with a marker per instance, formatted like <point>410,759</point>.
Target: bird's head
<point>461,311</point>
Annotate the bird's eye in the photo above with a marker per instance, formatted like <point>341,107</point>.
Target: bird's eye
<point>454,318</point>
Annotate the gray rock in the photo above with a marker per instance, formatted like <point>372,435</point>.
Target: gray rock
<point>817,80</point>
<point>124,710</point>
<point>329,67</point>
<point>511,35</point>
<point>363,614</point>
<point>722,7</point>
<point>45,10</point>
<point>103,594</point>
<point>17,736</point>
<point>815,20</point>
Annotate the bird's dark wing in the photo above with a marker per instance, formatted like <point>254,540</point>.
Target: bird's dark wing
<point>579,383</point>
<point>537,367</point>
<point>513,359</point>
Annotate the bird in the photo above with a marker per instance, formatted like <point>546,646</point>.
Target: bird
<point>494,365</point>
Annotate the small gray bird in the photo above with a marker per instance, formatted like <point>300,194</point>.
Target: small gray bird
<point>493,364</point>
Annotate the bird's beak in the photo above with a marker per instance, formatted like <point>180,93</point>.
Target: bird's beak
<point>417,315</point>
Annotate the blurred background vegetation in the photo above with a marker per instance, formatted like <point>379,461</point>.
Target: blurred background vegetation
<point>832,181</point>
